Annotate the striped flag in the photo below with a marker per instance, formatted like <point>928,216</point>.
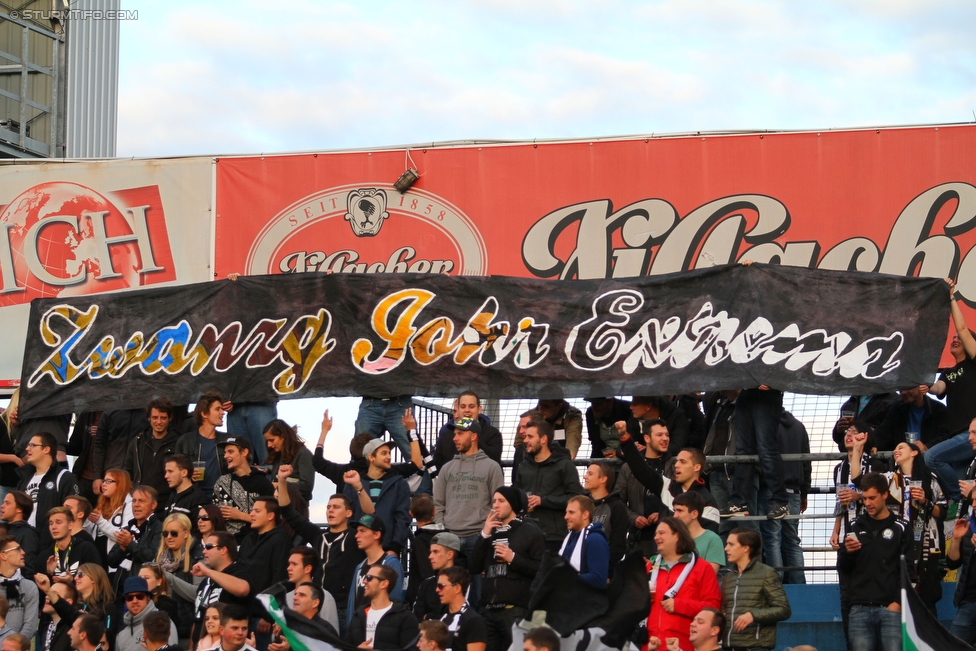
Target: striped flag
<point>920,630</point>
<point>302,633</point>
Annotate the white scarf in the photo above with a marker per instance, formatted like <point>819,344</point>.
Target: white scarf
<point>681,578</point>
<point>577,556</point>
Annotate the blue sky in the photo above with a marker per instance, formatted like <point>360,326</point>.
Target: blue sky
<point>240,77</point>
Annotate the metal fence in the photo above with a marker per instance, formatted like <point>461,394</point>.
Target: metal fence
<point>817,413</point>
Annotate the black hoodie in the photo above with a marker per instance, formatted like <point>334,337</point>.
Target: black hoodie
<point>508,583</point>
<point>611,512</point>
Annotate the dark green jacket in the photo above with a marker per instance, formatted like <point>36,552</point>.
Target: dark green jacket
<point>758,590</point>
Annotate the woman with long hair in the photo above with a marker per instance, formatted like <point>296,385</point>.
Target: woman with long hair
<point>114,508</point>
<point>284,447</point>
<point>914,493</point>
<point>9,461</point>
<point>681,584</point>
<point>211,627</point>
<point>95,595</point>
<point>159,589</point>
<point>209,520</point>
<point>178,552</point>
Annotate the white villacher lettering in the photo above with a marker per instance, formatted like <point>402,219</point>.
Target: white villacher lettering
<point>346,261</point>
<point>715,233</point>
<point>600,342</point>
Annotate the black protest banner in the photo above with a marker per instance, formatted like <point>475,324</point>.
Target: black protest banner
<point>291,336</point>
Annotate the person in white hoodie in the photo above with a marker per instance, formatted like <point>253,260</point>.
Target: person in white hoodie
<point>463,490</point>
<point>138,601</point>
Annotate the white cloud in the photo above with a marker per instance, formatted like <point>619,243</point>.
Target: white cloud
<point>241,77</point>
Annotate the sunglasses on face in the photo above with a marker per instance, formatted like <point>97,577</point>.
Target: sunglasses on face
<point>373,577</point>
<point>209,546</point>
<point>203,518</point>
<point>136,596</point>
<point>442,586</point>
<point>79,575</point>
<point>18,548</point>
<point>171,533</point>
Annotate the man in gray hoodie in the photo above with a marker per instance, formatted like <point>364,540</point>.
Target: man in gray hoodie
<point>463,491</point>
<point>138,601</point>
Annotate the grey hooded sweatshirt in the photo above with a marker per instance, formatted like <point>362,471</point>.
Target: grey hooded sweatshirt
<point>130,636</point>
<point>463,491</point>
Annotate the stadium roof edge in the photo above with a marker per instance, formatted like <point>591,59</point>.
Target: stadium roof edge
<point>447,144</point>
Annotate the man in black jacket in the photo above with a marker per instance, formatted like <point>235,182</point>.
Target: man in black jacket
<point>67,553</point>
<point>145,458</point>
<point>138,541</point>
<point>599,480</point>
<point>338,553</point>
<point>382,624</point>
<point>184,496</point>
<point>47,483</point>
<point>916,412</point>
<point>687,477</point>
<point>264,551</point>
<point>870,554</point>
<point>509,553</point>
<point>490,440</point>
<point>847,477</point>
<point>549,478</point>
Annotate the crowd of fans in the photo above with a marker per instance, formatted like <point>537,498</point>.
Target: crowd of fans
<point>166,528</point>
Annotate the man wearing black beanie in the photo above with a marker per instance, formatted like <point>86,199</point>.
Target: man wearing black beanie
<point>509,552</point>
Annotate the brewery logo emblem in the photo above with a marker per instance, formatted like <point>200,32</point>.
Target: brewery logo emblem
<point>387,232</point>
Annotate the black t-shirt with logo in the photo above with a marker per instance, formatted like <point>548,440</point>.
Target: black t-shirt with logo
<point>960,395</point>
<point>470,629</point>
<point>209,592</point>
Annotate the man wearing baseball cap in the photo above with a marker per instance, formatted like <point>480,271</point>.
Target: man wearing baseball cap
<point>369,536</point>
<point>237,489</point>
<point>444,549</point>
<point>387,491</point>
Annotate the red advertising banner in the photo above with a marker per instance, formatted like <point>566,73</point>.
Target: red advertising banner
<point>899,201</point>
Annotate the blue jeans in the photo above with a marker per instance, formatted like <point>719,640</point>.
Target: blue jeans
<point>720,486</point>
<point>964,625</point>
<point>756,422</point>
<point>378,416</point>
<point>467,548</point>
<point>781,539</point>
<point>874,628</point>
<point>248,419</point>
<point>949,461</point>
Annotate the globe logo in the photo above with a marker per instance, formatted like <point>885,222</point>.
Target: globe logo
<point>64,239</point>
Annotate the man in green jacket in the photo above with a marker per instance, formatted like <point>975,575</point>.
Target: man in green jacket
<point>753,598</point>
